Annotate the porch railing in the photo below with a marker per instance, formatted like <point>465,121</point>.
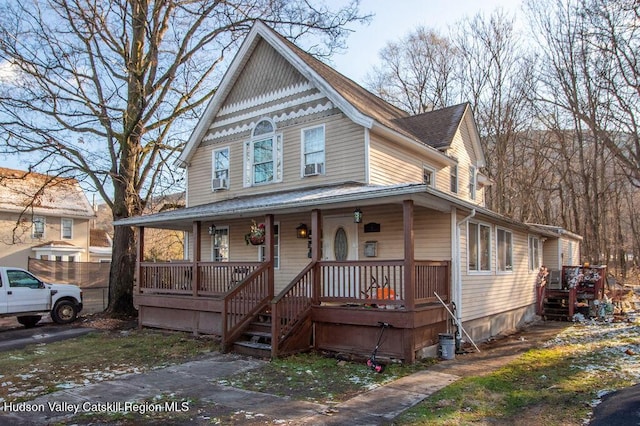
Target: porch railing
<point>243,302</point>
<point>291,306</point>
<point>216,278</point>
<point>431,277</point>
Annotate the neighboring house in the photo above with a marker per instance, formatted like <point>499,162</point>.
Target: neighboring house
<point>369,216</point>
<point>100,245</point>
<point>42,217</point>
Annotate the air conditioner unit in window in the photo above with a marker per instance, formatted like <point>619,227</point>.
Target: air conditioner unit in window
<point>313,169</point>
<point>218,183</point>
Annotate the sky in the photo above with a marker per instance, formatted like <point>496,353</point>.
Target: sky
<point>392,20</point>
<point>396,18</point>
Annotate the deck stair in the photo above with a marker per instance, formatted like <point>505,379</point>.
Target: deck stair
<point>556,306</point>
<point>256,339</point>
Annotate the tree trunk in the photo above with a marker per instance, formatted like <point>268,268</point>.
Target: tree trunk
<point>122,273</point>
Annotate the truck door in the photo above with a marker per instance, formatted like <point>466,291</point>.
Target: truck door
<point>3,295</point>
<point>26,293</point>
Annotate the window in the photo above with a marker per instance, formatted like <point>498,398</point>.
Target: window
<point>22,279</point>
<point>220,245</point>
<point>67,229</point>
<point>313,151</point>
<point>220,169</point>
<point>454,179</point>
<point>276,248</point>
<point>38,227</point>
<point>263,155</point>
<point>472,182</point>
<point>479,242</point>
<point>534,253</point>
<point>570,253</point>
<point>428,176</point>
<point>505,250</point>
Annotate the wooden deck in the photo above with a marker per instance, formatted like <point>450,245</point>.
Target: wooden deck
<point>345,301</point>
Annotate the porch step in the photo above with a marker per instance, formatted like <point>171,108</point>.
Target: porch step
<point>256,339</point>
<point>556,308</point>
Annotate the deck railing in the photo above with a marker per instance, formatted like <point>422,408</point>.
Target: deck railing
<point>216,278</point>
<point>431,277</point>
<point>243,302</point>
<point>362,282</point>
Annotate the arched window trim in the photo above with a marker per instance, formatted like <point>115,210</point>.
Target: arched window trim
<point>263,155</point>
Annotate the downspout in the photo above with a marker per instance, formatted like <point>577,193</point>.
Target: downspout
<point>457,272</point>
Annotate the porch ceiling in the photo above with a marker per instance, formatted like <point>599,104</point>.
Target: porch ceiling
<point>327,197</point>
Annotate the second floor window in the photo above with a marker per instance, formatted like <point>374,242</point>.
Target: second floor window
<point>454,179</point>
<point>313,151</point>
<point>37,230</point>
<point>263,155</point>
<point>479,247</point>
<point>67,229</point>
<point>428,176</point>
<point>220,169</point>
<point>472,182</point>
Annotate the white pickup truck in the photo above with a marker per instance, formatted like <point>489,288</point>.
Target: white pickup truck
<point>24,296</point>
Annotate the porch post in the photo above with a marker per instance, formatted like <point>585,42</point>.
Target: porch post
<point>409,255</point>
<point>197,253</point>
<point>269,243</point>
<point>316,250</point>
<point>139,258</point>
<point>409,276</point>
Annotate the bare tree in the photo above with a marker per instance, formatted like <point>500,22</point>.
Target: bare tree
<point>109,89</point>
<point>416,72</point>
<point>497,77</point>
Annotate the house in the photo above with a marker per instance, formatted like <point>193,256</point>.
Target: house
<point>363,216</point>
<point>100,245</point>
<point>42,217</point>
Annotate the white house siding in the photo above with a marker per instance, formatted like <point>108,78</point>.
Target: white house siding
<point>389,164</point>
<point>551,254</point>
<point>495,301</point>
<point>462,150</point>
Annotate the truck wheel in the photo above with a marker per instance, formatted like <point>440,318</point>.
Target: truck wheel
<point>64,312</point>
<point>29,321</point>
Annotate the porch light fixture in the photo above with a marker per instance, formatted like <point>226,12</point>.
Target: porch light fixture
<point>302,231</point>
<point>357,215</point>
<point>212,229</point>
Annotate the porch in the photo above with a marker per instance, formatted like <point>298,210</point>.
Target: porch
<point>331,305</point>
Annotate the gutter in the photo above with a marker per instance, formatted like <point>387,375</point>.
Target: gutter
<point>457,279</point>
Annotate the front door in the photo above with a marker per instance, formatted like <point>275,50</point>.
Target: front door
<point>340,243</point>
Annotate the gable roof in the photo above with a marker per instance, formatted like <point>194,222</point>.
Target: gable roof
<point>357,103</point>
<point>41,194</point>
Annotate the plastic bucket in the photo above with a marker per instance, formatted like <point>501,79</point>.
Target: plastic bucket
<point>446,346</point>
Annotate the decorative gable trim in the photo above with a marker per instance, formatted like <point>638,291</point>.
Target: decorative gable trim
<point>261,30</point>
<point>277,119</point>
<point>267,110</point>
<point>265,98</point>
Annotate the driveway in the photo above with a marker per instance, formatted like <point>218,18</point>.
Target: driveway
<point>15,336</point>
